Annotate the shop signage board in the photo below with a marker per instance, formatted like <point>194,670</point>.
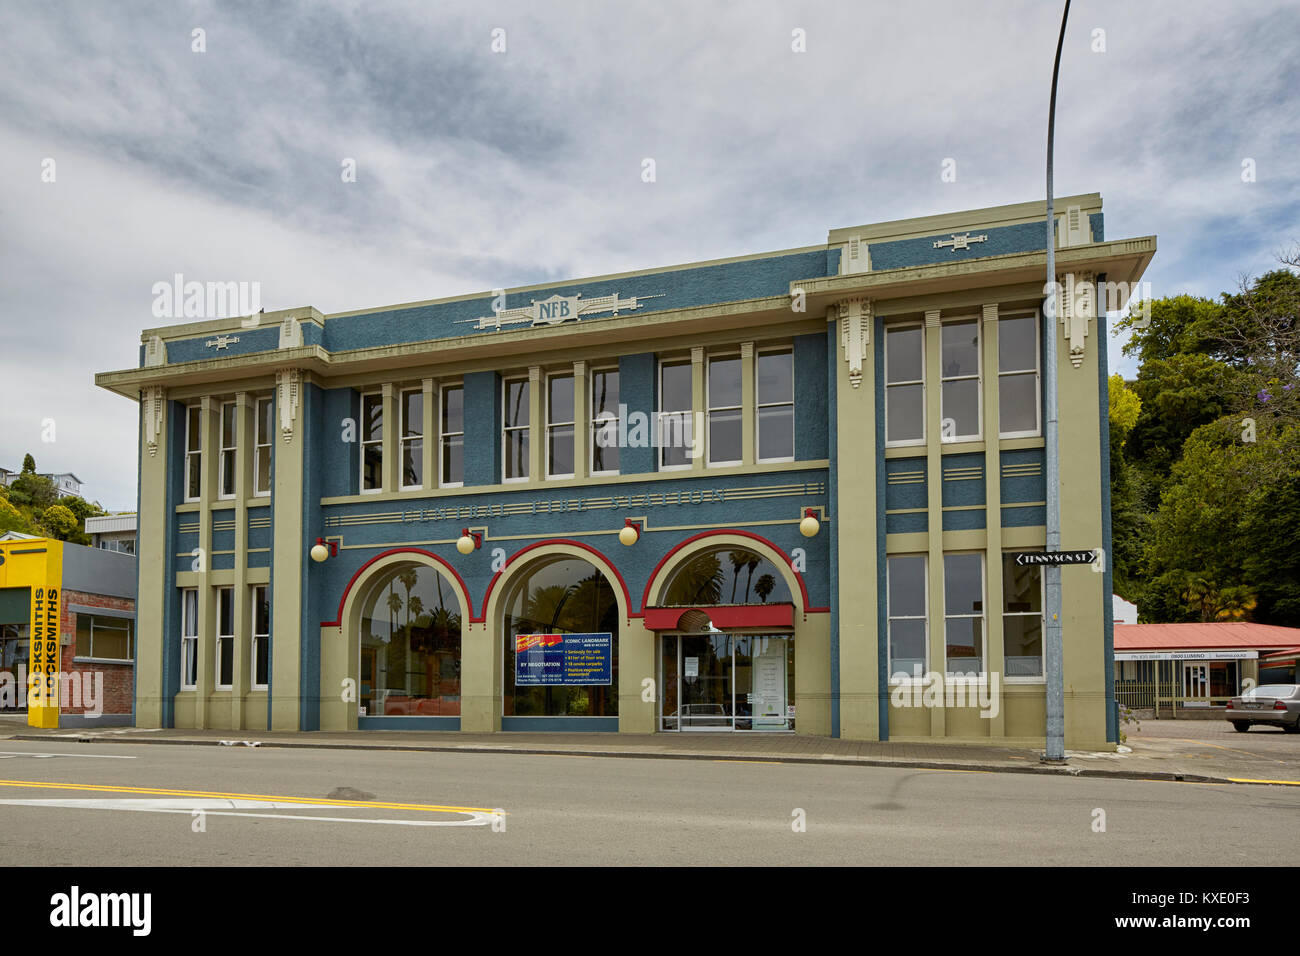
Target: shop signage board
<point>570,660</point>
<point>37,564</point>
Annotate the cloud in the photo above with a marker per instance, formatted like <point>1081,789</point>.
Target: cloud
<point>478,169</point>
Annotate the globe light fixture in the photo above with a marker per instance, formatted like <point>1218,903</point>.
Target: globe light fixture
<point>323,550</point>
<point>810,525</point>
<point>630,533</point>
<point>468,541</point>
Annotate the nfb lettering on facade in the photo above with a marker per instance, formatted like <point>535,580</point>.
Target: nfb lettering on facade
<point>333,540</point>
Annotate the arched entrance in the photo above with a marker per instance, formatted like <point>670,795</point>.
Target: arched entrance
<point>409,632</point>
<point>560,620</point>
<point>725,617</point>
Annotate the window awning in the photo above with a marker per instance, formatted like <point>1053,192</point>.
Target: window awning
<point>723,616</point>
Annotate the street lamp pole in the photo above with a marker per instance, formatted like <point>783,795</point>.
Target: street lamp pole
<point>1053,650</point>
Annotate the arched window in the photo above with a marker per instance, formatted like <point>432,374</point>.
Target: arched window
<point>726,575</point>
<point>563,597</point>
<point>410,645</point>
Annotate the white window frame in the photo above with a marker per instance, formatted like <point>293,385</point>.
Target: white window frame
<point>130,638</point>
<point>228,458</point>
<point>1041,678</point>
<point>261,441</point>
<point>925,396</point>
<point>257,638</point>
<point>443,436</point>
<point>709,409</point>
<point>759,404</point>
<point>507,429</point>
<point>190,641</point>
<point>363,430</point>
<point>978,377</point>
<point>1038,376</point>
<point>924,617</point>
<point>224,638</point>
<point>661,414</point>
<point>983,617</point>
<point>193,456</point>
<point>598,425</point>
<point>551,425</point>
<point>403,439</point>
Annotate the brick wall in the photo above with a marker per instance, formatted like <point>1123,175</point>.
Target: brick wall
<point>119,683</point>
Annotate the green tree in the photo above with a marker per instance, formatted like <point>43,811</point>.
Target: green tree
<point>29,464</point>
<point>11,519</point>
<point>58,522</point>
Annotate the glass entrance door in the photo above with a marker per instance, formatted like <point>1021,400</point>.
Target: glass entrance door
<point>14,654</point>
<point>1196,684</point>
<point>720,681</point>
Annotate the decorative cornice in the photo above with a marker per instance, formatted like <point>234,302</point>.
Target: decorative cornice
<point>288,386</point>
<point>153,399</point>
<point>855,317</point>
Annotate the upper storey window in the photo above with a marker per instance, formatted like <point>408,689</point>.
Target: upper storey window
<point>262,446</point>
<point>515,421</point>
<point>372,441</point>
<point>776,405</point>
<point>959,361</point>
<point>604,421</point>
<point>675,413</point>
<point>904,385</point>
<point>1018,405</point>
<point>725,413</point>
<point>193,453</point>
<point>452,436</point>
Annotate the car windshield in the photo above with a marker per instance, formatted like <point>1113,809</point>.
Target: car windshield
<point>1271,690</point>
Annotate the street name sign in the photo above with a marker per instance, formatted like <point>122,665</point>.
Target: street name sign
<point>1055,558</point>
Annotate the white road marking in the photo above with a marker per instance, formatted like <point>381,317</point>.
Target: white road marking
<point>4,754</point>
<point>215,806</point>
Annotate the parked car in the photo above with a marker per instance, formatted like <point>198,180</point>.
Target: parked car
<point>1277,705</point>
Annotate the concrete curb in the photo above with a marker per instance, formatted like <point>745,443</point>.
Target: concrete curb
<point>1066,771</point>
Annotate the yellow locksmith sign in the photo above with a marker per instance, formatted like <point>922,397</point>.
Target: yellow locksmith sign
<point>37,564</point>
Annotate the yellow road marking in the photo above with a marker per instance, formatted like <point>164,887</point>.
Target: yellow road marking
<point>945,770</point>
<point>1284,783</point>
<point>318,801</point>
<point>772,762</point>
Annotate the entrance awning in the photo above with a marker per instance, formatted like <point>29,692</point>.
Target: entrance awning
<point>723,616</point>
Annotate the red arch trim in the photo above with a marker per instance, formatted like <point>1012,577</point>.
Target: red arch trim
<point>469,598</point>
<point>803,588</point>
<point>627,598</point>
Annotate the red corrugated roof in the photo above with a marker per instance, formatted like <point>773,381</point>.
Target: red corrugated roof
<point>1224,634</point>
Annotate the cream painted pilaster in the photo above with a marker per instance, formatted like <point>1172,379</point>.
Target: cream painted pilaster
<point>1081,587</point>
<point>481,653</point>
<point>581,420</point>
<point>151,555</point>
<point>536,425</point>
<point>209,471</point>
<point>934,506</point>
<point>854,511</point>
<point>636,662</point>
<point>240,679</point>
<point>994,651</point>
<point>289,551</point>
<point>429,441</point>
<point>699,410</point>
<point>748,412</point>
<point>392,473</point>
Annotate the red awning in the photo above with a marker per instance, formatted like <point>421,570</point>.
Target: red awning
<point>724,616</point>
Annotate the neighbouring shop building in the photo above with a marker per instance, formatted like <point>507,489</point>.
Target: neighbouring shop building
<point>1193,668</point>
<point>90,593</point>
<point>770,493</point>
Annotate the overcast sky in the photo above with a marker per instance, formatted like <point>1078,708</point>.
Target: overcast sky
<point>477,169</point>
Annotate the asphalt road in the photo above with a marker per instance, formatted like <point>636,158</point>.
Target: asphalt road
<point>336,807</point>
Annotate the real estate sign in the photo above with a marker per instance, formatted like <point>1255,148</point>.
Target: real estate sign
<point>564,659</point>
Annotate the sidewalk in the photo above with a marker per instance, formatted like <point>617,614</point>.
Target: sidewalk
<point>1158,752</point>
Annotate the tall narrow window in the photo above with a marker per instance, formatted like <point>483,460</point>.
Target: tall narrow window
<point>1022,618</point>
<point>963,623</point>
<point>775,397</point>
<point>904,385</point>
<point>193,452</point>
<point>725,429</point>
<point>452,436</point>
<point>262,447</point>
<point>372,441</point>
<point>675,412</point>
<point>412,457</point>
<point>908,642</point>
<point>229,440</point>
<point>604,421</point>
<point>515,421</point>
<point>559,426</point>
<point>189,639</point>
<point>225,637</point>
<point>1018,376</point>
<point>959,362</point>
<point>261,637</point>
